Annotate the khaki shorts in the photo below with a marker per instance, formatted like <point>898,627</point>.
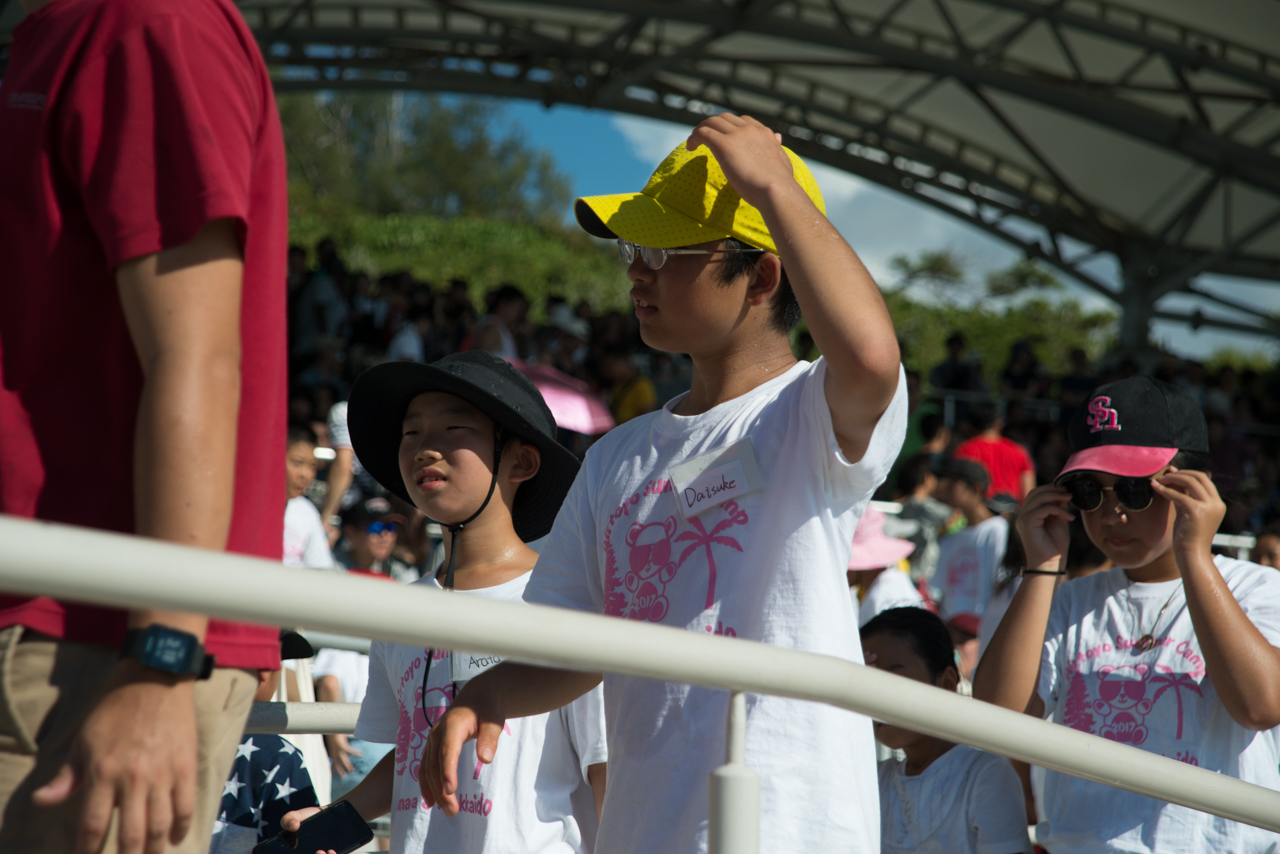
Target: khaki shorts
<point>47,687</point>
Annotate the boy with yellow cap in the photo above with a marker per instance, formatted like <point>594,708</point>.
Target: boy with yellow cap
<point>731,510</point>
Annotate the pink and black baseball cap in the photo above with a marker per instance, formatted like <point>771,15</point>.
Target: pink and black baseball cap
<point>1133,428</point>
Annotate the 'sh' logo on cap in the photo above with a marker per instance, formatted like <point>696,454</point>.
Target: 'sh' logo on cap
<point>1101,416</point>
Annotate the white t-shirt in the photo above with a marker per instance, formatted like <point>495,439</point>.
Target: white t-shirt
<point>339,438</point>
<point>305,542</point>
<point>766,566</point>
<point>351,669</point>
<point>406,345</point>
<point>891,589</point>
<point>966,802</point>
<point>1094,679</point>
<point>967,564</point>
<point>521,801</point>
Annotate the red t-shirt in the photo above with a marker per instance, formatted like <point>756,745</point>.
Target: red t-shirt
<point>129,124</point>
<point>1005,460</point>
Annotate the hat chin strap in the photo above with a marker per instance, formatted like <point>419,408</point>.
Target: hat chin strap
<point>454,530</point>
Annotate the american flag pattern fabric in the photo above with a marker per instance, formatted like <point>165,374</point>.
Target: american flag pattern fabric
<point>269,778</point>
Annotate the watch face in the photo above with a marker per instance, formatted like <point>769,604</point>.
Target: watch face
<point>168,651</point>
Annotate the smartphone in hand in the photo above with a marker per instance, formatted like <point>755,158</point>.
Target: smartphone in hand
<point>338,827</point>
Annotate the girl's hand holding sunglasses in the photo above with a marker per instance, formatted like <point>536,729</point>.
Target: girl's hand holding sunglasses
<point>1042,525</point>
<point>1198,506</point>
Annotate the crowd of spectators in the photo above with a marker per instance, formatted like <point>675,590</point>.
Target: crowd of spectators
<point>1033,403</point>
<point>343,321</point>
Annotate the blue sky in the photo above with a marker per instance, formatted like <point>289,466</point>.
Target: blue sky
<point>603,152</point>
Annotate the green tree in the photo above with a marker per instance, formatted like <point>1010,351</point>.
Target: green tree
<point>939,272</point>
<point>1024,275</point>
<point>934,297</point>
<point>485,252</point>
<point>430,185</point>
<point>385,153</point>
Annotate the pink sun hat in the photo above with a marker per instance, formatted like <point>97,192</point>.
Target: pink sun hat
<point>872,549</point>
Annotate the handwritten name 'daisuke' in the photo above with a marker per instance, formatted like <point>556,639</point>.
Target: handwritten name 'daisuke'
<point>694,497</point>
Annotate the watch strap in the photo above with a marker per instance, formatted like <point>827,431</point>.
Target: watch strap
<point>135,646</point>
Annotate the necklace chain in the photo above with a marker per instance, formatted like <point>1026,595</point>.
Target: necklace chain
<point>1148,641</point>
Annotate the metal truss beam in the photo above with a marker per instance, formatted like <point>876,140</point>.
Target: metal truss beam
<point>680,60</point>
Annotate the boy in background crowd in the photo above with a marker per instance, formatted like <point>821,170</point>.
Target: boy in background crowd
<point>369,536</point>
<point>969,558</point>
<point>305,540</point>
<point>1010,469</point>
<point>919,484</point>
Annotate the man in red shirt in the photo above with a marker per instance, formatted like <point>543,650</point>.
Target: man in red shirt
<point>1012,471</point>
<point>142,390</point>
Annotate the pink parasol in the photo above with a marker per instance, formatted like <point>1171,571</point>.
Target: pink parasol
<point>571,401</point>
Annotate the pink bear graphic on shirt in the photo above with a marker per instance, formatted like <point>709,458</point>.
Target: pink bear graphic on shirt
<point>1122,702</point>
<point>650,568</point>
<point>411,733</point>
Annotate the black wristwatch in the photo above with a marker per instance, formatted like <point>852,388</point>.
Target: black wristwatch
<point>170,651</point>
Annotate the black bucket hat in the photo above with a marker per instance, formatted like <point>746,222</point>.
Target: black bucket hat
<point>381,395</point>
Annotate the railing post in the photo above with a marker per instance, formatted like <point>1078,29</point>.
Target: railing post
<point>733,809</point>
<point>949,412</point>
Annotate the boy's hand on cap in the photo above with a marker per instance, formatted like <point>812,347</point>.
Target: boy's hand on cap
<point>750,154</point>
<point>1042,525</point>
<point>1198,507</point>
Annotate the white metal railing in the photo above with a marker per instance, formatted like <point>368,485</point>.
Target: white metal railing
<point>38,558</point>
<point>296,718</point>
<point>328,640</point>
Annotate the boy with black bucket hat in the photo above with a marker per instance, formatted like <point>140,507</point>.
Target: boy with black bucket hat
<point>471,443</point>
<point>729,511</point>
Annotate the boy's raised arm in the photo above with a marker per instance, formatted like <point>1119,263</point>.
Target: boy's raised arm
<point>842,305</point>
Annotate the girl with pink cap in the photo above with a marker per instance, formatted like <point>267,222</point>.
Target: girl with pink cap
<point>1173,650</point>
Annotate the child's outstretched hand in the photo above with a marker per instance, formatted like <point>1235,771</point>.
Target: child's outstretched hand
<point>750,154</point>
<point>1198,507</point>
<point>438,770</point>
<point>1042,525</point>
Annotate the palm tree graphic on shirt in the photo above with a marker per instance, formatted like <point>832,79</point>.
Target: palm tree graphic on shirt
<point>1168,680</point>
<point>704,540</point>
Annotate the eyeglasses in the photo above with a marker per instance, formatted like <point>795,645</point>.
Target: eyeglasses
<point>654,258</point>
<point>381,527</point>
<point>1134,493</point>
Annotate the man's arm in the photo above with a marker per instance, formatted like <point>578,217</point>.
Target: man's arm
<point>597,776</point>
<point>340,477</point>
<point>509,690</point>
<point>842,305</point>
<point>329,690</point>
<point>137,749</point>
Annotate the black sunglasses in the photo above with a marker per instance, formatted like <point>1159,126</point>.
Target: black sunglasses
<point>1134,493</point>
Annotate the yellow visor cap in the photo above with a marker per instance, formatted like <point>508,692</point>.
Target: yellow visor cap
<point>688,200</point>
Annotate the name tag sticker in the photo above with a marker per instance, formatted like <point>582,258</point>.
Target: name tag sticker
<point>714,478</point>
<point>468,665</point>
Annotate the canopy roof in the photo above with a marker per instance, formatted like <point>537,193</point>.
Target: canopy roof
<point>1073,129</point>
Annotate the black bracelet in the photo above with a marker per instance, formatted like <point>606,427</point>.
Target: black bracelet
<point>1042,572</point>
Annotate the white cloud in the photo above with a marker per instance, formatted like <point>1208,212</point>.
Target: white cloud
<point>650,140</point>
<point>838,186</point>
